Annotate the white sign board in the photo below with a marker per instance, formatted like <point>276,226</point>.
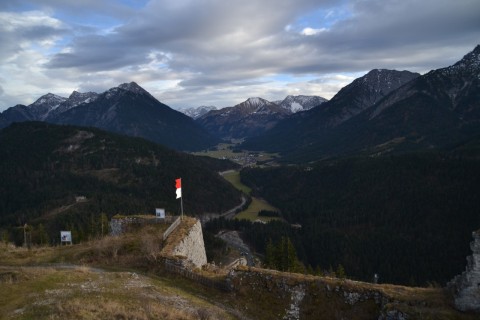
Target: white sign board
<point>160,213</point>
<point>66,236</point>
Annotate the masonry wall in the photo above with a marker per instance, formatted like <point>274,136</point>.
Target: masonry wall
<point>192,246</point>
<point>466,287</point>
<point>267,294</point>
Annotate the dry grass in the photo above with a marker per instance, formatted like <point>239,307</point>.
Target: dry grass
<point>80,292</point>
<point>319,303</point>
<point>83,293</point>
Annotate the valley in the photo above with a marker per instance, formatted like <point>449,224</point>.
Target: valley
<point>244,158</point>
<point>256,205</point>
<point>365,202</point>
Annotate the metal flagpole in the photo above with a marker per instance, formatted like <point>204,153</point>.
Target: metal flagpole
<point>181,205</point>
<point>178,185</point>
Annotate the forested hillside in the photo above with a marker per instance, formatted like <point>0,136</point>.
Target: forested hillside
<point>408,218</point>
<point>44,167</point>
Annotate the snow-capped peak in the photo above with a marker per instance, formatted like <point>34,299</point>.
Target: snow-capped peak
<point>50,100</point>
<point>257,105</point>
<point>469,63</point>
<point>130,87</point>
<point>198,111</point>
<point>77,98</point>
<point>301,103</point>
<point>256,101</point>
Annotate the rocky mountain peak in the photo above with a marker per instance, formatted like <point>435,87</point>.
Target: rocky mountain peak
<point>44,105</point>
<point>81,95</point>
<point>125,87</point>
<point>197,112</point>
<point>77,98</point>
<point>387,80</point>
<point>470,62</point>
<point>256,101</point>
<point>49,100</point>
<point>133,87</point>
<point>301,102</point>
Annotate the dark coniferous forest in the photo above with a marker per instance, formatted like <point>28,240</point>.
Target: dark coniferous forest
<point>44,167</point>
<point>408,218</point>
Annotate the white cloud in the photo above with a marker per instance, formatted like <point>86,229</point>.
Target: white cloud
<point>312,32</point>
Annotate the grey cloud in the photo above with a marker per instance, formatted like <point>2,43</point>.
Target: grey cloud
<point>16,29</point>
<point>212,45</point>
<point>192,28</point>
<point>103,8</point>
<point>98,53</point>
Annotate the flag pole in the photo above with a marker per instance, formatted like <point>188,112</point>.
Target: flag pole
<point>178,186</point>
<point>181,205</point>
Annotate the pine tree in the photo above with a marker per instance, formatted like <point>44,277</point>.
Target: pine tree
<point>42,234</point>
<point>292,265</point>
<point>104,224</point>
<point>270,255</point>
<point>5,237</point>
<point>340,272</point>
<point>283,256</point>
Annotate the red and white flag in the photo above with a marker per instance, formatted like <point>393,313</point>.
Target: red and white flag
<point>178,186</point>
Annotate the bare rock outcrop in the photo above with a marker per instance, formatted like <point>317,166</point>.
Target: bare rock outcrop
<point>466,286</point>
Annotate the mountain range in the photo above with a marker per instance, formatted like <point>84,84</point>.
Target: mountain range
<point>300,103</point>
<point>254,116</point>
<point>126,109</point>
<point>384,112</point>
<point>197,112</point>
<point>292,103</point>
<point>248,118</point>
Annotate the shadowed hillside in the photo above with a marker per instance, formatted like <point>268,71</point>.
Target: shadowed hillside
<point>44,167</point>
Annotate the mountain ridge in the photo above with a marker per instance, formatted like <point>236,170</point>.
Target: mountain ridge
<point>245,119</point>
<point>45,166</point>
<point>300,102</point>
<point>304,128</point>
<point>128,109</point>
<point>433,110</point>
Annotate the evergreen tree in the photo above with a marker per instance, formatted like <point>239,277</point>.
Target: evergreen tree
<point>340,272</point>
<point>104,224</point>
<point>270,254</point>
<point>42,234</point>
<point>5,236</point>
<point>283,256</point>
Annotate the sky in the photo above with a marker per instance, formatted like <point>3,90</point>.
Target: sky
<point>189,53</point>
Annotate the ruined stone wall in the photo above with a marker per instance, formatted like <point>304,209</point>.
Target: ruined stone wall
<point>466,287</point>
<point>192,246</point>
<point>288,296</point>
<point>122,224</point>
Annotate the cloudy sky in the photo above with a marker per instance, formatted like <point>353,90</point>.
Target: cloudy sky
<point>220,52</point>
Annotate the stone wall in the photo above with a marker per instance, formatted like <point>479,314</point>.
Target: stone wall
<point>279,295</point>
<point>192,246</point>
<point>122,224</point>
<point>466,286</point>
